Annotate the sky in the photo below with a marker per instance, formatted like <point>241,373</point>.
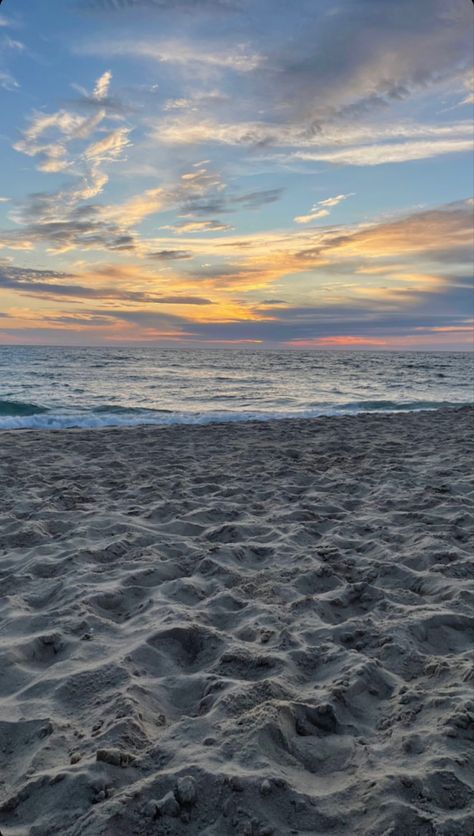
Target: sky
<point>281,173</point>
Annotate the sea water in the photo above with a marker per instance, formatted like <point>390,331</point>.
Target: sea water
<point>54,387</point>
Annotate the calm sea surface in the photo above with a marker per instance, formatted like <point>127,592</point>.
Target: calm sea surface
<point>57,387</point>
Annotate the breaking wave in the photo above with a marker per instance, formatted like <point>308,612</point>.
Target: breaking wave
<point>16,415</point>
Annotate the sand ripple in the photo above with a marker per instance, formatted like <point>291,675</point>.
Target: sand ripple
<point>253,629</point>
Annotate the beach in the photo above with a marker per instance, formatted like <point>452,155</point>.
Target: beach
<point>252,628</point>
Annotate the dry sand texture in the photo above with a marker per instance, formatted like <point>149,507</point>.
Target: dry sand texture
<point>243,629</point>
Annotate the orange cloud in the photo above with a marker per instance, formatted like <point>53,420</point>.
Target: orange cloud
<point>223,280</point>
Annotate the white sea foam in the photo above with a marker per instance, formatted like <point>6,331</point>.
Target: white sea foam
<point>134,418</point>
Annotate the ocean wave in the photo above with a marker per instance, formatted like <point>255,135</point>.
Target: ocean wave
<point>117,416</point>
<point>397,406</point>
<point>20,408</point>
<point>113,409</point>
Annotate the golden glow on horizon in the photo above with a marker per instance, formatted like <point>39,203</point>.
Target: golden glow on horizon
<point>226,279</point>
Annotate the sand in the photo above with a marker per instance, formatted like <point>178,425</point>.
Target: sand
<point>238,629</point>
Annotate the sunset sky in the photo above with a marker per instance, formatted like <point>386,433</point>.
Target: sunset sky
<point>288,173</point>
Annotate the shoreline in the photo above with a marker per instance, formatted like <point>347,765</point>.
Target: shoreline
<point>244,421</point>
<point>238,628</point>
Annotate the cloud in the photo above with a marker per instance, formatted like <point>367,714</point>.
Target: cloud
<point>313,215</point>
<point>334,201</point>
<point>132,211</point>
<point>327,82</point>
<point>7,81</point>
<point>99,99</point>
<point>53,138</point>
<point>188,227</point>
<point>197,192</point>
<point>269,91</point>
<point>342,329</point>
<point>183,6</point>
<point>102,85</point>
<point>170,255</point>
<point>63,218</point>
<point>53,152</point>
<point>364,57</point>
<point>332,143</point>
<point>321,208</point>
<point>469,86</point>
<point>110,147</point>
<point>67,220</point>
<point>54,155</point>
<point>69,125</point>
<point>397,282</point>
<point>8,49</point>
<point>422,232</point>
<point>255,200</point>
<point>190,131</point>
<point>322,65</point>
<point>58,220</point>
<point>179,52</point>
<point>204,192</point>
<point>51,285</point>
<point>389,152</point>
<point>196,100</point>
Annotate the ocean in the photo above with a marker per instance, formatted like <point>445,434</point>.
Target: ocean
<point>54,387</point>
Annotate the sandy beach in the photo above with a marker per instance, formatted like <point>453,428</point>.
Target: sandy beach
<point>249,629</point>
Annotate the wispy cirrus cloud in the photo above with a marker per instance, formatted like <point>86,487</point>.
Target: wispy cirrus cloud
<point>9,49</point>
<point>194,226</point>
<point>240,58</point>
<point>53,154</point>
<point>101,88</point>
<point>321,208</point>
<point>189,131</point>
<point>335,145</point>
<point>325,94</point>
<point>52,137</point>
<point>313,215</point>
<point>469,86</point>
<point>389,152</point>
<point>110,147</point>
<point>182,6</point>
<point>101,100</point>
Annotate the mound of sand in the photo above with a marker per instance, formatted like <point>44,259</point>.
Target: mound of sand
<point>244,629</point>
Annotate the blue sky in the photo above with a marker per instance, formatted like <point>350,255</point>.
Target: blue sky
<point>225,171</point>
